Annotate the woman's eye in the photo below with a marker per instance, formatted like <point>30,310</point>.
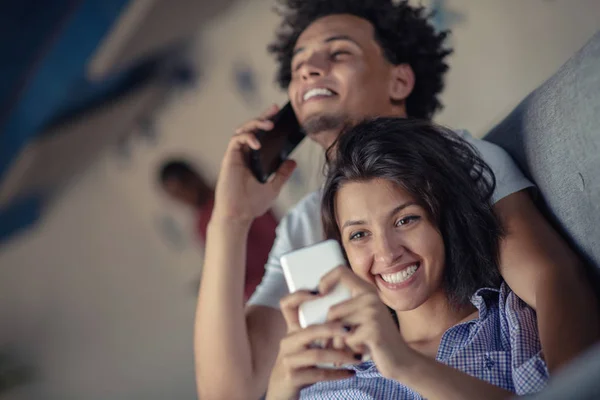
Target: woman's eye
<point>407,220</point>
<point>357,235</point>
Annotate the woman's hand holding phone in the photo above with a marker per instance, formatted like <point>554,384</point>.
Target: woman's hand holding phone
<point>296,364</point>
<point>373,330</point>
<point>238,195</point>
<point>363,324</point>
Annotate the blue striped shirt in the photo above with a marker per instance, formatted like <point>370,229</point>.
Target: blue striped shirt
<point>501,347</point>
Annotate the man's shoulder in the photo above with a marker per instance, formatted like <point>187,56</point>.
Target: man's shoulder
<point>301,226</point>
<point>309,206</point>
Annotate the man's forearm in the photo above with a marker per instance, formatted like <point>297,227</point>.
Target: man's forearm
<point>434,380</point>
<point>222,349</point>
<point>543,271</point>
<point>568,317</point>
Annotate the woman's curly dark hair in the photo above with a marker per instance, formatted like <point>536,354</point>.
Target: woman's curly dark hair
<point>402,31</point>
<point>444,174</point>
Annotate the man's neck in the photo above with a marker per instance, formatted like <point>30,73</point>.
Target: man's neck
<point>434,317</point>
<point>326,139</point>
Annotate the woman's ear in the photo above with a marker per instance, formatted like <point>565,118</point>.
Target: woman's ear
<point>402,82</point>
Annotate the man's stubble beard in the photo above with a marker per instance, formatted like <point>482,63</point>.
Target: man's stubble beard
<point>326,124</point>
<point>317,124</point>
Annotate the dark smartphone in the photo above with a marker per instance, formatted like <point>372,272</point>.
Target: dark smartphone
<point>276,144</point>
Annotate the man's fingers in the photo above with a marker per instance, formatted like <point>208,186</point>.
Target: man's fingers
<point>255,125</point>
<point>263,122</point>
<point>289,307</point>
<point>270,112</point>
<point>248,139</point>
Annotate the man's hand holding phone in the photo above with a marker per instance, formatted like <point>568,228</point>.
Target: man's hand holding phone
<point>238,194</point>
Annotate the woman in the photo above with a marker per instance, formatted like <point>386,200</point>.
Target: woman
<point>410,203</point>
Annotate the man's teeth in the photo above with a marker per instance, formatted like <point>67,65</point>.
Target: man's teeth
<point>400,276</point>
<point>317,92</point>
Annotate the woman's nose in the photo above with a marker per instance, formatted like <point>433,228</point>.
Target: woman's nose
<point>388,249</point>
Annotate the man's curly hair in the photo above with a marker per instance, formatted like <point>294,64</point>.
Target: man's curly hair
<point>402,31</point>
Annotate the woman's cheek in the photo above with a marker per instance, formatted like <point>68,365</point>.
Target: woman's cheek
<point>360,264</point>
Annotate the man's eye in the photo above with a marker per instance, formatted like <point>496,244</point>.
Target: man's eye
<point>337,54</point>
<point>297,67</point>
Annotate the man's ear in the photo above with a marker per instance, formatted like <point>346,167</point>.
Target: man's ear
<point>402,82</point>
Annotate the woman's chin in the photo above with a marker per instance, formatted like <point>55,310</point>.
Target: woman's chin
<point>403,304</point>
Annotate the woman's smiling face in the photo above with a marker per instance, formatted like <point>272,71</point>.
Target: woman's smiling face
<point>391,242</point>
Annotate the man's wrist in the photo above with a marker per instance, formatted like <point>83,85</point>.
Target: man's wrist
<point>229,223</point>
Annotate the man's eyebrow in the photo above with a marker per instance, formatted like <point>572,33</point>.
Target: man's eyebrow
<point>329,40</point>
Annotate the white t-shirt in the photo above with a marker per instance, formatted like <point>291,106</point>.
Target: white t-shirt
<point>302,226</point>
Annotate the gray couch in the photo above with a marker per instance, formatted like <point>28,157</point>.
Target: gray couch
<point>554,136</point>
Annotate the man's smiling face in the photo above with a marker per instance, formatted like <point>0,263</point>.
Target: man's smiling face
<point>340,75</point>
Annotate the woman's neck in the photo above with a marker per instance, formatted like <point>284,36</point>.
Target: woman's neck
<point>429,321</point>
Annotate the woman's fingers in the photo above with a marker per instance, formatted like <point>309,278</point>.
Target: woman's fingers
<point>289,306</point>
<point>354,311</point>
<point>344,276</point>
<point>316,357</point>
<point>337,343</point>
<point>309,376</point>
<point>305,338</point>
<point>357,341</point>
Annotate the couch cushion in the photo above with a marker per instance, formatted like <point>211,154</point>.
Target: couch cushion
<point>554,135</point>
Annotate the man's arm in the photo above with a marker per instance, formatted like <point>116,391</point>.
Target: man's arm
<point>542,270</point>
<point>226,366</point>
<point>234,350</point>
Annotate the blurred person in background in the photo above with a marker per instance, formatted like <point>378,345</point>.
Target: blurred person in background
<point>184,184</point>
<point>341,62</point>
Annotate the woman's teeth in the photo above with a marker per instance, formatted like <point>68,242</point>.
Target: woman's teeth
<point>400,276</point>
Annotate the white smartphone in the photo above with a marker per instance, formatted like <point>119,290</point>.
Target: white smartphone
<point>303,270</point>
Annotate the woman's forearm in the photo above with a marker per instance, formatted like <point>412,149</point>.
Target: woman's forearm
<point>434,380</point>
<point>222,350</point>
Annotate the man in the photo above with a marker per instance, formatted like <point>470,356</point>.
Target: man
<point>183,184</point>
<point>342,61</point>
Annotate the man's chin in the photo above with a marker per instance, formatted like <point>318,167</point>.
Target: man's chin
<point>324,129</point>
